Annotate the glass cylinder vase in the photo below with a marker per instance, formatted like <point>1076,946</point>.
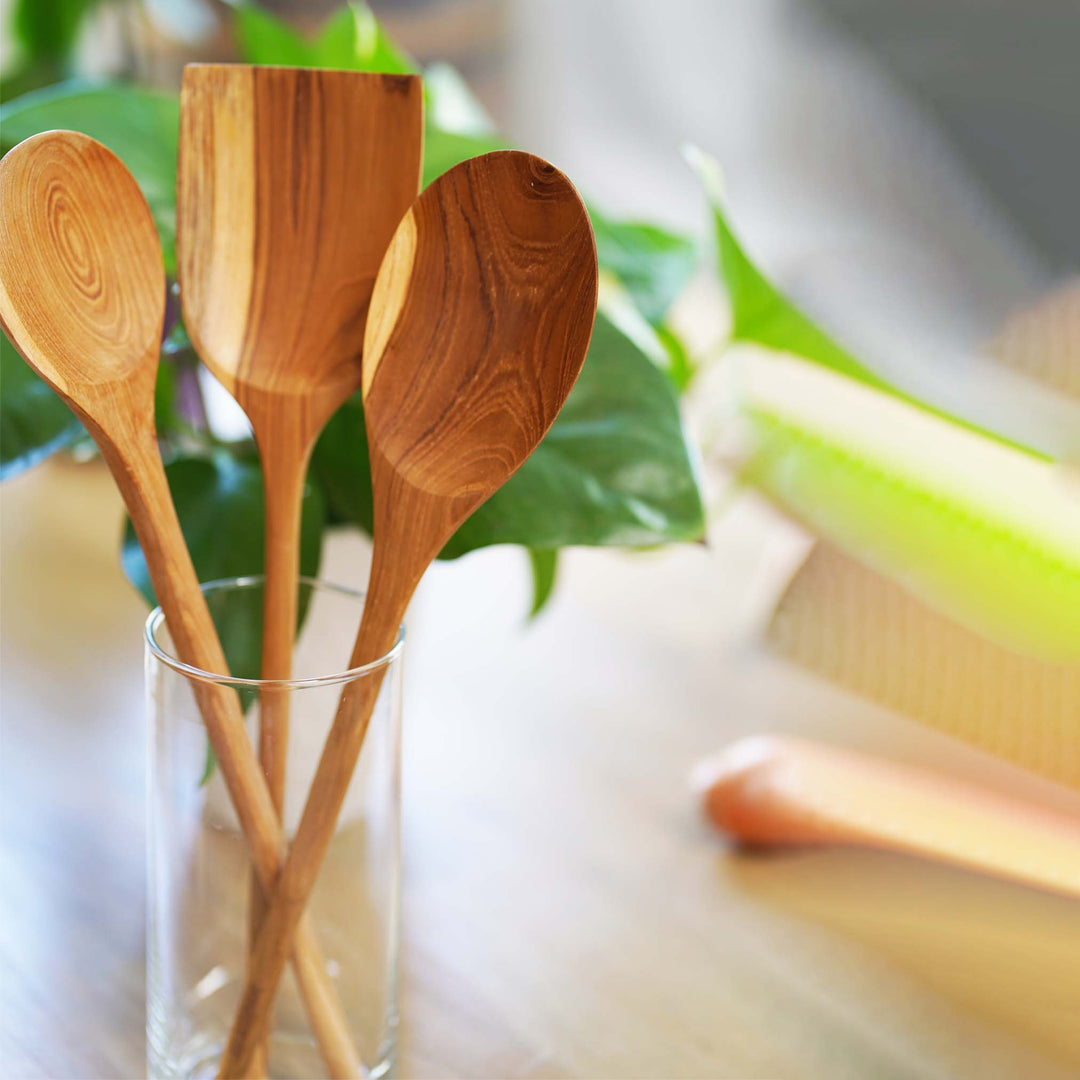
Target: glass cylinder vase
<point>200,885</point>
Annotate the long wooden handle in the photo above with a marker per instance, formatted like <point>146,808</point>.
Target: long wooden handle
<point>145,491</point>
<point>284,467</point>
<point>775,790</point>
<point>378,632</point>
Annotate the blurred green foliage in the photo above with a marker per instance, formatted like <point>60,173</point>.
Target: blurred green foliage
<point>44,34</point>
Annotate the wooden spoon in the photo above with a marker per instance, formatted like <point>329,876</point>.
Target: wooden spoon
<point>290,185</point>
<point>479,324</point>
<point>82,297</point>
<point>778,790</point>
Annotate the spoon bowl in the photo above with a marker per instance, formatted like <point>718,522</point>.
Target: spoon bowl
<point>82,283</point>
<point>500,246</point>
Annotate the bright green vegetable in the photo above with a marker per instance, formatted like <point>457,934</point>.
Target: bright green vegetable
<point>979,528</point>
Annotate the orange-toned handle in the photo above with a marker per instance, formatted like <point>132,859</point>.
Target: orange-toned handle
<point>779,790</point>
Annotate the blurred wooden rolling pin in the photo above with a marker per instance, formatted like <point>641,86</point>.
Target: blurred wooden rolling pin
<point>781,790</point>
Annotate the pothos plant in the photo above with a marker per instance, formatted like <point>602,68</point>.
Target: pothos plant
<point>614,470</point>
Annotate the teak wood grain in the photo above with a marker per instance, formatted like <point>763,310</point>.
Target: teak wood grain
<point>82,297</point>
<point>290,185</point>
<point>480,321</point>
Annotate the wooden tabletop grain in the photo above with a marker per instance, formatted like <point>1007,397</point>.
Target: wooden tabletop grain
<point>566,914</point>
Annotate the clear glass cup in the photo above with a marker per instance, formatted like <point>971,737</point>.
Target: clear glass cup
<point>200,877</point>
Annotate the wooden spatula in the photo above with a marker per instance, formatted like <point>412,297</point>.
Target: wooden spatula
<point>290,184</point>
<point>82,297</point>
<point>479,324</point>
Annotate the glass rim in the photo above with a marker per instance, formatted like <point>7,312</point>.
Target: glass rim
<point>156,619</point>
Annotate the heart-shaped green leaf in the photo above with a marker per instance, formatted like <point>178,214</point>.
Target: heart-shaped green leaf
<point>341,466</point>
<point>544,563</point>
<point>34,422</point>
<point>654,265</point>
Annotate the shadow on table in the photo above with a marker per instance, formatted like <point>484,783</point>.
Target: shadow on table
<point>1005,951</point>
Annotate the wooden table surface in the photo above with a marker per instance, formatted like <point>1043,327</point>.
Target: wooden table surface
<point>566,914</point>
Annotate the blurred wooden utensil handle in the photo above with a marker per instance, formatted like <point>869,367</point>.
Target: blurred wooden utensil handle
<point>780,790</point>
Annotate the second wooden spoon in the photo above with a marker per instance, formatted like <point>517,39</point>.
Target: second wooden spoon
<point>479,324</point>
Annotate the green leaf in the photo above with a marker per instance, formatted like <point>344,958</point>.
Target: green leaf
<point>444,149</point>
<point>544,563</point>
<point>341,467</point>
<point>654,265</point>
<point>219,502</point>
<point>616,304</point>
<point>209,765</point>
<point>613,470</point>
<point>451,105</point>
<point>34,422</point>
<point>352,39</point>
<point>45,33</point>
<point>21,78</point>
<point>680,366</point>
<point>165,395</point>
<point>49,28</point>
<point>264,39</point>
<point>762,314</point>
<point>140,126</point>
